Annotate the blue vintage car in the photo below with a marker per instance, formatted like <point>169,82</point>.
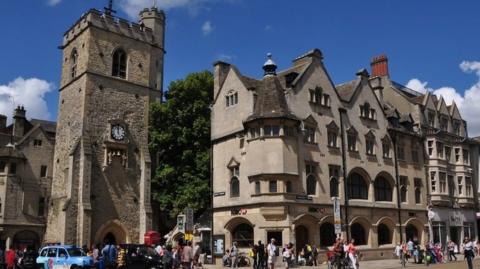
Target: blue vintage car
<point>63,257</point>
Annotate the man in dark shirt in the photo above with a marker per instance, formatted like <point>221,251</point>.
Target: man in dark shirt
<point>261,255</point>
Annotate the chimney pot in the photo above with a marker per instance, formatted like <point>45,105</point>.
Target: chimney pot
<point>379,66</point>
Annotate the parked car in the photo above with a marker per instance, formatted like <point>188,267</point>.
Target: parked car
<point>141,257</point>
<point>67,256</point>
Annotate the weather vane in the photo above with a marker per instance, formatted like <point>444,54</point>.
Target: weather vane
<point>109,10</point>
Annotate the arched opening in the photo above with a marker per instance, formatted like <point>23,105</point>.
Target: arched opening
<point>301,236</point>
<point>333,187</point>
<point>359,234</point>
<point>24,239</point>
<point>327,235</point>
<point>113,231</point>
<point>403,194</point>
<point>234,187</point>
<point>243,235</point>
<point>119,64</point>
<point>384,235</point>
<point>411,233</point>
<point>383,189</point>
<point>357,187</point>
<point>311,185</point>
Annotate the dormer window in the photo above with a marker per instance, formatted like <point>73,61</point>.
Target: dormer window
<point>367,112</point>
<point>444,123</point>
<point>316,95</point>
<point>332,135</point>
<point>456,127</point>
<point>309,135</point>
<point>352,139</point>
<point>431,118</point>
<point>370,143</point>
<point>231,99</point>
<point>386,148</point>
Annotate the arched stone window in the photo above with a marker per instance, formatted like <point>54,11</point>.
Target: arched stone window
<point>327,234</point>
<point>359,234</point>
<point>383,190</point>
<point>73,63</point>
<point>418,195</point>
<point>311,185</point>
<point>243,235</point>
<point>234,187</point>
<point>384,235</point>
<point>333,187</point>
<point>411,232</point>
<point>357,187</point>
<point>119,64</point>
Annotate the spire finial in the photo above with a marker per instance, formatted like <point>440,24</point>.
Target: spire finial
<point>270,67</point>
<point>109,10</point>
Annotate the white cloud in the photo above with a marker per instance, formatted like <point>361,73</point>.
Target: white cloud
<point>54,2</point>
<point>207,28</point>
<point>226,57</point>
<point>133,7</point>
<point>27,92</point>
<point>466,102</point>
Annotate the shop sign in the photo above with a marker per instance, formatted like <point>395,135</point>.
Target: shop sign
<point>236,211</point>
<point>221,193</point>
<point>189,219</point>
<point>181,223</point>
<point>321,210</point>
<point>456,218</point>
<point>303,197</point>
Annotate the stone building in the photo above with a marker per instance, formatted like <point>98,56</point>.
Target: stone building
<point>26,162</point>
<point>286,144</point>
<point>112,70</point>
<point>449,153</point>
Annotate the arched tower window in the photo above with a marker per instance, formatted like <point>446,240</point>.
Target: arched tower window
<point>119,64</point>
<point>311,185</point>
<point>73,63</point>
<point>357,187</point>
<point>234,182</point>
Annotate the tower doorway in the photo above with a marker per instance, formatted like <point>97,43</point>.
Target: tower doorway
<point>112,232</point>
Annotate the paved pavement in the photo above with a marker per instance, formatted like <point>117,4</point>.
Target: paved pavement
<point>388,264</point>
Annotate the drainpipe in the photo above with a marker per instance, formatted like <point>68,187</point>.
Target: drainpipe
<point>397,179</point>
<point>342,111</point>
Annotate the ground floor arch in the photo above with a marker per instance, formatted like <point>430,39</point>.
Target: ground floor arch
<point>26,238</point>
<point>112,232</point>
<point>327,234</point>
<point>414,230</point>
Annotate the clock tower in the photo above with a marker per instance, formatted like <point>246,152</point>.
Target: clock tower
<point>112,70</point>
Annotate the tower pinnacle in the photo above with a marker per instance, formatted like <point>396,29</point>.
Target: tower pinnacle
<point>109,10</point>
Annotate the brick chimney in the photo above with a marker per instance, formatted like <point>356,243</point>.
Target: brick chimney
<point>19,121</point>
<point>3,121</point>
<point>379,66</point>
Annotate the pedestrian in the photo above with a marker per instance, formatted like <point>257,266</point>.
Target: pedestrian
<point>287,255</point>
<point>254,252</point>
<point>468,251</point>
<point>261,255</point>
<point>451,251</point>
<point>234,255</point>
<point>176,256</point>
<point>271,252</point>
<point>352,253</point>
<point>187,256</point>
<point>197,250</point>
<point>10,258</point>
<point>226,259</point>
<point>398,251</point>
<point>109,253</point>
<point>96,255</point>
<point>315,255</point>
<point>167,258</point>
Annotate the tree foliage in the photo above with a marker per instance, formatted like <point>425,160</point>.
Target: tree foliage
<point>180,138</point>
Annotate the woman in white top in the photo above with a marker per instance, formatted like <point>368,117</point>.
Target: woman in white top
<point>271,249</point>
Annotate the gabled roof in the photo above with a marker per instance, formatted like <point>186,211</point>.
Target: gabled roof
<point>271,101</point>
<point>347,90</point>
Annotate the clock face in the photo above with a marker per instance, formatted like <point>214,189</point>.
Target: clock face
<point>118,132</point>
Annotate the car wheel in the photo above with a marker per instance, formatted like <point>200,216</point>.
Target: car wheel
<point>74,266</point>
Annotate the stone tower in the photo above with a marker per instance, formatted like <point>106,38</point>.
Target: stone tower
<point>112,70</point>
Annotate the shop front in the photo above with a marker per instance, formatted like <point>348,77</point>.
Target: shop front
<point>453,224</point>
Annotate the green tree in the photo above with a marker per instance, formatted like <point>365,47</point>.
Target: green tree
<point>180,138</point>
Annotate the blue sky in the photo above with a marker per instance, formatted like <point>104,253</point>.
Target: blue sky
<point>424,40</point>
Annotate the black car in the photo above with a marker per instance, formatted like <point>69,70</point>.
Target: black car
<point>141,257</point>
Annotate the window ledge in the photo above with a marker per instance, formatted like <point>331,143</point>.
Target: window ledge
<point>310,143</point>
<point>368,119</point>
<point>333,147</point>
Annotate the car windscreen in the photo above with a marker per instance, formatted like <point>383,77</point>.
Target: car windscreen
<point>75,252</point>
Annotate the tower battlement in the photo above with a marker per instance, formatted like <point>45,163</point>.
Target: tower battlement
<point>98,19</point>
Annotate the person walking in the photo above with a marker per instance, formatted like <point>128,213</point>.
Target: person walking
<point>234,255</point>
<point>315,255</point>
<point>451,251</point>
<point>271,252</point>
<point>187,256</point>
<point>10,258</point>
<point>167,258</point>
<point>352,253</point>
<point>287,255</point>
<point>468,251</point>
<point>109,253</point>
<point>261,255</point>
<point>252,253</point>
